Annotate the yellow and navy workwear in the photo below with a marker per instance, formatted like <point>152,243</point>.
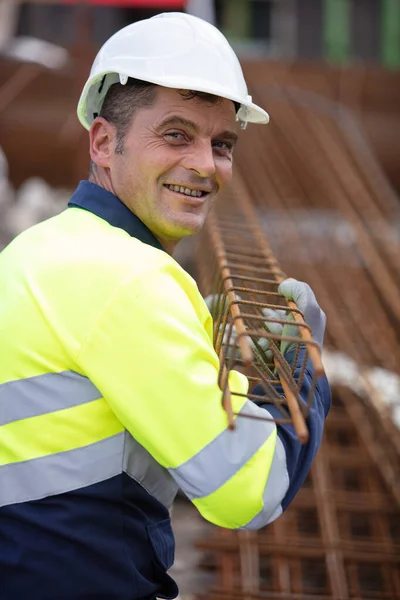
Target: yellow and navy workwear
<point>109,402</point>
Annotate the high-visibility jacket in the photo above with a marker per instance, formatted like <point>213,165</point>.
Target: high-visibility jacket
<point>109,402</point>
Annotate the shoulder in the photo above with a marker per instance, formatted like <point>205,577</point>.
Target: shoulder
<point>159,283</point>
<point>128,269</point>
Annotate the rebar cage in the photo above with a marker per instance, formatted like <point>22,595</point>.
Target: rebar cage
<point>254,325</point>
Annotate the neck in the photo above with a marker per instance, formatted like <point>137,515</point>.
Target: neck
<point>168,245</point>
<point>101,177</point>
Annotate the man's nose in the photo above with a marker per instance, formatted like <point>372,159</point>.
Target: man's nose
<point>200,158</point>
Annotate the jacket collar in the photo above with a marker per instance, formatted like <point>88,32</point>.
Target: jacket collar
<point>107,206</point>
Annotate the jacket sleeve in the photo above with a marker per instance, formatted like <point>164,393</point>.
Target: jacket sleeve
<point>151,356</point>
<point>299,457</point>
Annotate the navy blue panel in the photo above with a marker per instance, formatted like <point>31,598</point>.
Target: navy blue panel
<point>107,206</point>
<point>110,541</point>
<point>299,457</point>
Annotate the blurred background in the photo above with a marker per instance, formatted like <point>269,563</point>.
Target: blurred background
<point>322,182</point>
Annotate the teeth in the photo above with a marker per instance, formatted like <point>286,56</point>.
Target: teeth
<point>186,191</point>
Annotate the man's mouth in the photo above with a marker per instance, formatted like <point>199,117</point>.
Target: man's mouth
<point>186,191</point>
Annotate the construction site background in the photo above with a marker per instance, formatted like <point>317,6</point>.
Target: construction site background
<point>320,187</point>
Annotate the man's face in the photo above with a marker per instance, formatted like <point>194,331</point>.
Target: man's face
<point>177,156</point>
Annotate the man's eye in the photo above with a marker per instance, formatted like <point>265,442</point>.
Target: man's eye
<point>227,146</point>
<point>175,135</point>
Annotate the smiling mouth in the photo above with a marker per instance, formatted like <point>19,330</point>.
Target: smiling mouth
<point>186,191</point>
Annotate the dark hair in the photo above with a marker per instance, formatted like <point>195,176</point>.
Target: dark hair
<point>122,102</point>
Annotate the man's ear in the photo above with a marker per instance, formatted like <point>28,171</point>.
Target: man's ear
<point>102,141</point>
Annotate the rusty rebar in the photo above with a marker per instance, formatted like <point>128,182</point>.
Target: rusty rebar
<point>241,327</point>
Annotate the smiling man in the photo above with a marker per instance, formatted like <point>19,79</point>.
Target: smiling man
<point>168,162</point>
<point>109,398</point>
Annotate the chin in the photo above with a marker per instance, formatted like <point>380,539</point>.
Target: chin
<point>189,225</point>
<point>192,228</point>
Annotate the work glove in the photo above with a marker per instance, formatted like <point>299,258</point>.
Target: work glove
<point>314,316</point>
<point>304,297</point>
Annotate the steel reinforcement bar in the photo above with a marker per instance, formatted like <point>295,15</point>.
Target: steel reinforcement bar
<point>253,321</point>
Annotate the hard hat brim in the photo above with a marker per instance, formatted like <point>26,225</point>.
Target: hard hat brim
<point>249,112</point>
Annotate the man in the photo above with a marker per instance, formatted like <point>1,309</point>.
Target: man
<point>109,398</point>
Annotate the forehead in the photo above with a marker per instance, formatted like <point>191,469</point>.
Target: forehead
<point>220,114</point>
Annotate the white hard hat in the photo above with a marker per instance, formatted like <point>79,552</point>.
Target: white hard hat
<point>173,50</point>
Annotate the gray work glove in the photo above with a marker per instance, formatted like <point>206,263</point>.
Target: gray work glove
<point>314,316</point>
<point>304,297</point>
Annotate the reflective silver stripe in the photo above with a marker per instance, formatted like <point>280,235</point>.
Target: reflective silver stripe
<point>63,472</point>
<point>275,489</point>
<point>81,467</point>
<point>143,468</point>
<point>42,394</point>
<point>215,464</point>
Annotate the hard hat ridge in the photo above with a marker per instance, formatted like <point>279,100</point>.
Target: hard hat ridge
<point>173,50</point>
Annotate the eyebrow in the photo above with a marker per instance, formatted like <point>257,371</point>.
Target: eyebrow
<point>177,120</point>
